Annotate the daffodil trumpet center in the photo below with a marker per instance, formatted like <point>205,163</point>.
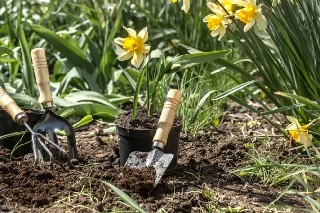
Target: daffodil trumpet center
<point>297,132</point>
<point>131,44</point>
<point>247,14</point>
<point>214,22</point>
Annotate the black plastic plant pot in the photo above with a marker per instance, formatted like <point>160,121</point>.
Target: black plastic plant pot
<point>19,144</point>
<point>141,140</point>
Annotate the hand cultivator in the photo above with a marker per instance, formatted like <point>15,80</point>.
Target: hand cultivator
<point>39,141</point>
<point>50,123</point>
<point>156,158</point>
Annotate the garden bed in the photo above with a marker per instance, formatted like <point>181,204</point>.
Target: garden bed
<point>202,181</point>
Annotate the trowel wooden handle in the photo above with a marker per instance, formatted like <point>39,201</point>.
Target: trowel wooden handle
<point>10,106</point>
<point>167,116</point>
<point>42,75</point>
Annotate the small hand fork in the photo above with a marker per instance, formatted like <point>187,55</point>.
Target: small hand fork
<point>51,123</point>
<point>20,117</point>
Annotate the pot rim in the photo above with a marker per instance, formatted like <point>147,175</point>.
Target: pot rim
<point>142,130</point>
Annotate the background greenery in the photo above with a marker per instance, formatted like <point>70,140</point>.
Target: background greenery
<point>280,66</point>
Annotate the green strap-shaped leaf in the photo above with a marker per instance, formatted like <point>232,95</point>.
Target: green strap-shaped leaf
<point>233,90</point>
<point>301,99</point>
<point>75,55</point>
<point>89,96</point>
<point>5,50</point>
<point>27,73</point>
<point>84,109</point>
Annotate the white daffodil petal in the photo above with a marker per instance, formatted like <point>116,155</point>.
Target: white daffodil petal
<point>186,5</point>
<point>261,22</point>
<point>125,56</point>
<point>292,126</point>
<point>292,119</point>
<point>305,139</point>
<point>137,59</point>
<point>214,33</point>
<point>222,32</point>
<point>205,19</point>
<point>145,49</point>
<point>118,50</point>
<point>119,41</point>
<point>249,25</point>
<point>253,3</point>
<point>143,34</point>
<point>240,3</point>
<point>132,33</point>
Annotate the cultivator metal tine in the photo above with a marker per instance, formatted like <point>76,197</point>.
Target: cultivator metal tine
<point>53,143</point>
<point>53,137</point>
<point>37,153</point>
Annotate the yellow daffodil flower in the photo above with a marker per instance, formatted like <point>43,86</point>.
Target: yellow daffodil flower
<point>217,22</point>
<point>133,46</point>
<point>227,4</point>
<point>185,5</point>
<point>299,133</point>
<point>250,14</point>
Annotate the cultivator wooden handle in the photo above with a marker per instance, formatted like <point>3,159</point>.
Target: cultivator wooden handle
<point>11,107</point>
<point>42,76</point>
<point>167,117</point>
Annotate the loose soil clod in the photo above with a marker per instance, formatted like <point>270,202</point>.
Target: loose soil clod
<point>143,180</point>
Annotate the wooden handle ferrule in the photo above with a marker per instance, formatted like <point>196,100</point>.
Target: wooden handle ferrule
<point>10,106</point>
<point>167,116</point>
<point>42,76</point>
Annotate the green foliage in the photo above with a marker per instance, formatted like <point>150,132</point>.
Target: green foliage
<point>285,57</point>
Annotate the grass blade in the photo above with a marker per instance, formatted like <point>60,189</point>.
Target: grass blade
<point>126,198</point>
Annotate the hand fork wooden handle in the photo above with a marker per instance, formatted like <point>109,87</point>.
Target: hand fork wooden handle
<point>10,106</point>
<point>42,76</point>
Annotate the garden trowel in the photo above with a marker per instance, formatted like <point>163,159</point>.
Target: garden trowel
<point>156,158</point>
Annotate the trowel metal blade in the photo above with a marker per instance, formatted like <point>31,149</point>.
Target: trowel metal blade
<point>161,165</point>
<point>156,158</point>
<point>137,159</point>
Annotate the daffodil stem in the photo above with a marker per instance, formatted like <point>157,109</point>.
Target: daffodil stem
<point>148,91</point>
<point>153,96</point>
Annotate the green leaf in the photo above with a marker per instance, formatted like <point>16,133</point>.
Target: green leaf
<point>27,74</point>
<point>192,59</point>
<point>72,52</point>
<point>25,101</point>
<point>301,99</point>
<point>201,102</point>
<point>85,120</point>
<point>282,109</point>
<point>5,50</point>
<point>202,57</point>
<point>233,90</point>
<point>84,109</point>
<point>83,96</point>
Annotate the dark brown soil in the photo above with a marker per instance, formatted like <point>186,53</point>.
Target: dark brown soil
<point>201,182</point>
<point>142,121</point>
